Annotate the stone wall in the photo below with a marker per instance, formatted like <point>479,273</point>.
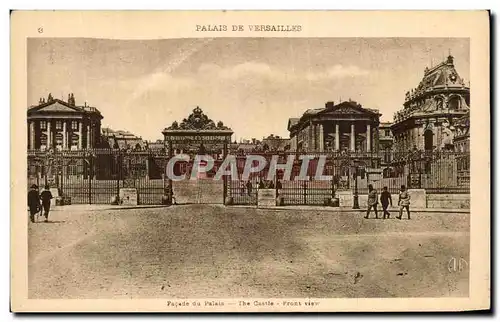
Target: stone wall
<point>450,201</point>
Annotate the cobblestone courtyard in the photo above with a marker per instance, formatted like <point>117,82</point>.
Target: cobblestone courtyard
<point>201,251</point>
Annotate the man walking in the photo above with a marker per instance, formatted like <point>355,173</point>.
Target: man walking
<point>385,200</point>
<point>33,202</point>
<point>46,197</point>
<point>372,201</point>
<point>404,202</point>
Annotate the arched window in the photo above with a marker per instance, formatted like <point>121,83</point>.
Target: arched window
<point>454,103</point>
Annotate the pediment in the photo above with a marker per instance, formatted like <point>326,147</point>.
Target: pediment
<point>55,106</point>
<point>346,109</point>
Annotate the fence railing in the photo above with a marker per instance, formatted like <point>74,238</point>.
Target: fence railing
<point>97,175</point>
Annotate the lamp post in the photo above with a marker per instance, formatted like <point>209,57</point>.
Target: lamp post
<point>355,197</point>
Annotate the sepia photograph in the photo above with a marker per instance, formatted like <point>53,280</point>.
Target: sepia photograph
<point>257,172</point>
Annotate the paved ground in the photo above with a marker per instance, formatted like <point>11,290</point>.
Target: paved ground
<point>211,251</point>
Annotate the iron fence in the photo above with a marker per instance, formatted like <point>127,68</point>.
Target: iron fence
<point>96,176</point>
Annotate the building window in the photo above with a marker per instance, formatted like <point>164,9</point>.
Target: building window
<point>387,132</point>
<point>43,125</point>
<point>74,125</point>
<point>58,125</point>
<point>387,155</point>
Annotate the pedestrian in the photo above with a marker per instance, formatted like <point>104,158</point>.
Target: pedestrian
<point>33,202</point>
<point>172,196</point>
<point>404,202</point>
<point>249,188</point>
<point>279,186</point>
<point>372,201</point>
<point>46,197</point>
<point>242,188</point>
<point>385,200</point>
<point>261,184</point>
<point>169,191</point>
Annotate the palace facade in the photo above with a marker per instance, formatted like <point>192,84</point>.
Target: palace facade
<point>431,110</point>
<point>59,125</point>
<point>346,126</point>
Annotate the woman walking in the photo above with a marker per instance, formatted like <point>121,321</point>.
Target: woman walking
<point>404,202</point>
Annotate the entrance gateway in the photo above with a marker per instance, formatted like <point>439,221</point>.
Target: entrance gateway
<point>197,135</point>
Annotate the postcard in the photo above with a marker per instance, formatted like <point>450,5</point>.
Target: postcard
<point>250,161</point>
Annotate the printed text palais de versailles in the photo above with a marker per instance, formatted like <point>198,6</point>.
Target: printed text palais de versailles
<point>258,28</point>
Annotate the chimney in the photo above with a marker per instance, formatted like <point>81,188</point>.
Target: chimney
<point>329,104</point>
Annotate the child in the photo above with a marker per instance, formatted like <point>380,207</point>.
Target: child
<point>404,202</point>
<point>385,199</point>
<point>372,201</point>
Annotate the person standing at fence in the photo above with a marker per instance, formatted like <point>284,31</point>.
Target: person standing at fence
<point>249,188</point>
<point>404,202</point>
<point>242,188</point>
<point>279,186</point>
<point>46,197</point>
<point>169,191</point>
<point>372,201</point>
<point>33,202</point>
<point>385,200</point>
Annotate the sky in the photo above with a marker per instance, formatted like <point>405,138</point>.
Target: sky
<point>253,85</point>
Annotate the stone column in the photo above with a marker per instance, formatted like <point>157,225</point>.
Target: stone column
<point>368,137</point>
<point>337,137</point>
<point>80,135</point>
<point>65,136</point>
<point>88,136</point>
<point>32,135</point>
<point>321,138</point>
<point>49,135</point>
<point>421,138</point>
<point>310,140</point>
<point>353,138</point>
<point>316,143</point>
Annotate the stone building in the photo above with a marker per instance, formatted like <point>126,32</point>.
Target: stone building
<point>461,140</point>
<point>122,140</point>
<point>431,109</point>
<point>461,143</point>
<point>386,141</point>
<point>156,145</point>
<point>275,143</point>
<point>59,125</point>
<point>346,126</point>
